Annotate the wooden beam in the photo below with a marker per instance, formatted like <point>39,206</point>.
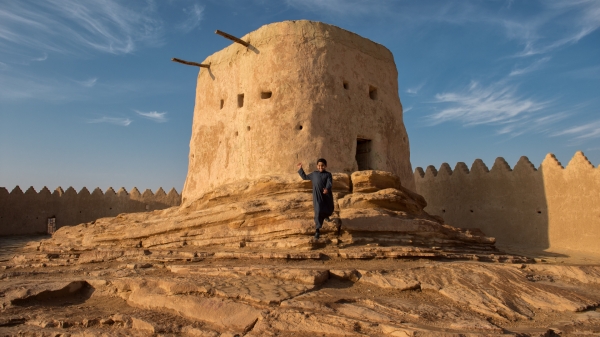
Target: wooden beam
<point>232,38</point>
<point>189,63</point>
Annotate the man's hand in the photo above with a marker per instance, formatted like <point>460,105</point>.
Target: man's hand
<point>299,166</point>
<point>325,191</point>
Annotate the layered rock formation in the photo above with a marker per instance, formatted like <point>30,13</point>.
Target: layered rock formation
<point>375,216</point>
<point>175,295</point>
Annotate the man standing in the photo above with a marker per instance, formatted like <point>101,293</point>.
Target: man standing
<point>322,194</point>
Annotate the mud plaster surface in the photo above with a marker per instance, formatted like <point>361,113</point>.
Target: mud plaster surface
<point>281,297</point>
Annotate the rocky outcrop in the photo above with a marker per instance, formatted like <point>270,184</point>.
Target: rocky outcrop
<point>334,299</point>
<point>274,213</point>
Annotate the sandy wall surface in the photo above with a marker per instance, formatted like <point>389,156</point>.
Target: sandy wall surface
<point>549,207</point>
<point>28,213</point>
<point>309,90</point>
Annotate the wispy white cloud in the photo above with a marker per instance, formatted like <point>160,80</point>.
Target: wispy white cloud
<point>561,22</point>
<point>415,90</point>
<point>585,73</point>
<point>89,82</point>
<point>590,149</point>
<point>552,25</point>
<point>18,85</point>
<point>159,117</point>
<point>44,57</point>
<point>544,26</point>
<point>495,104</point>
<point>194,16</point>
<point>530,124</point>
<point>340,7</point>
<point>112,120</point>
<point>405,110</point>
<point>582,132</point>
<point>532,67</point>
<point>68,26</point>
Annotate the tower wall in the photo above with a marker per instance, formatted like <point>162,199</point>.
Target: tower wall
<point>309,90</point>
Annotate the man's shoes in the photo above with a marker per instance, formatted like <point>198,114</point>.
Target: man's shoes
<point>317,234</point>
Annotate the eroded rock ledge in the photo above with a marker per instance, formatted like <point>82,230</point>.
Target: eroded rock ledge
<point>375,216</point>
<point>409,299</point>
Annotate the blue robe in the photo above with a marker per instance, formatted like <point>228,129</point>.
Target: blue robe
<point>322,203</point>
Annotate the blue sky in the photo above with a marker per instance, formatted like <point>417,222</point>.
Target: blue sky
<point>89,97</point>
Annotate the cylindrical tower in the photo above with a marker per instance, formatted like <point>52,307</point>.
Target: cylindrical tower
<point>301,91</point>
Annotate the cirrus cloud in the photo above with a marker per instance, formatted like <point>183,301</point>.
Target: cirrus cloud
<point>159,117</point>
<point>582,132</point>
<point>111,120</point>
<point>194,16</point>
<point>68,26</point>
<point>494,104</point>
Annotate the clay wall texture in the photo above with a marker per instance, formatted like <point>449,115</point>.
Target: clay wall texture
<point>550,207</point>
<point>309,90</point>
<point>28,212</point>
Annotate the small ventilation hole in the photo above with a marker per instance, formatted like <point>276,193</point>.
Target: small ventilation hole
<point>236,133</point>
<point>266,95</point>
<point>248,128</point>
<point>299,127</point>
<point>240,100</point>
<point>346,85</point>
<point>222,103</point>
<point>372,92</point>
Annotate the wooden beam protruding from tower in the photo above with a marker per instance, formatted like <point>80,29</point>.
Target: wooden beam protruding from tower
<point>232,38</point>
<point>189,63</point>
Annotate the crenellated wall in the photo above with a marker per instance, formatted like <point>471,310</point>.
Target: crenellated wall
<point>550,207</point>
<point>28,213</point>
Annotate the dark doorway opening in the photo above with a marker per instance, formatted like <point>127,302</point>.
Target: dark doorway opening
<point>363,154</point>
<point>51,225</point>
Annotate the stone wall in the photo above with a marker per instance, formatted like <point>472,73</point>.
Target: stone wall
<point>550,207</point>
<point>28,213</point>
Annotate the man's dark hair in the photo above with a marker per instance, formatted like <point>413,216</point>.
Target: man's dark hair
<point>322,160</point>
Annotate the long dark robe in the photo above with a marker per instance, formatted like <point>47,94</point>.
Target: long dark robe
<point>322,203</point>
